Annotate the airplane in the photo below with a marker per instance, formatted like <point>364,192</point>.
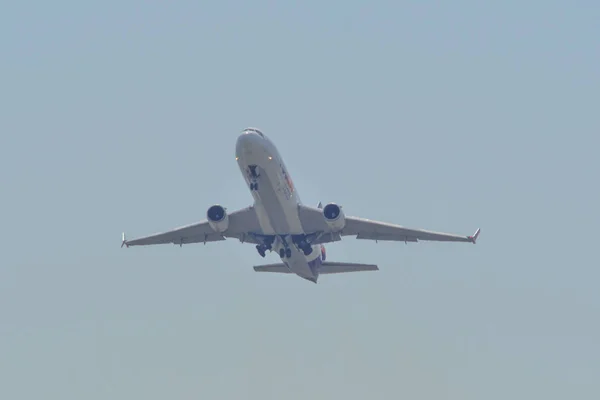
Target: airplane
<point>280,222</point>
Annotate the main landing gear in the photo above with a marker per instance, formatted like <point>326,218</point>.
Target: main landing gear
<point>303,244</point>
<point>265,246</point>
<point>305,247</point>
<point>300,242</point>
<point>262,250</point>
<point>287,252</point>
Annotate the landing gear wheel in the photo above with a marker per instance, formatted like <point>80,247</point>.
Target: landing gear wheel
<point>288,252</point>
<point>305,247</point>
<point>254,186</point>
<point>281,253</point>
<point>261,250</point>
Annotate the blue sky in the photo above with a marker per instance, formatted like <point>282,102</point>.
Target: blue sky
<point>123,116</point>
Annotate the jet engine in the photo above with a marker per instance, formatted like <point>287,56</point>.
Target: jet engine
<point>334,216</point>
<point>218,218</point>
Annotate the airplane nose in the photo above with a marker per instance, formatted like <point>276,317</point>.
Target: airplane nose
<point>245,144</point>
<point>247,141</point>
<point>244,141</point>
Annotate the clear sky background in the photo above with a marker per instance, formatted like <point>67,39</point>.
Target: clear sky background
<point>123,116</point>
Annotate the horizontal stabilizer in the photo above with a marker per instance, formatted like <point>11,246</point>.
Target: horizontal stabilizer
<point>332,267</point>
<point>279,268</point>
<point>327,267</point>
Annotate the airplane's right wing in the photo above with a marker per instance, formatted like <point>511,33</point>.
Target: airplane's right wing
<point>243,225</point>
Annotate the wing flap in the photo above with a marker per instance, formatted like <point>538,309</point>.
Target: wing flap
<point>385,236</point>
<point>195,233</point>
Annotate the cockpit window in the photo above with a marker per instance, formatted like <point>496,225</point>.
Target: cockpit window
<point>255,131</point>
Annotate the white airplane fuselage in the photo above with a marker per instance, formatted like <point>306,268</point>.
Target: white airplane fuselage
<point>276,201</point>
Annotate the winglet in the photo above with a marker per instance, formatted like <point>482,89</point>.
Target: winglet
<point>124,241</point>
<point>473,238</point>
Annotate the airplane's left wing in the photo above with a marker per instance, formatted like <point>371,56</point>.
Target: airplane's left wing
<point>243,225</point>
<point>313,221</point>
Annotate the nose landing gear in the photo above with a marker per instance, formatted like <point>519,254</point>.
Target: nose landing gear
<point>253,171</point>
<point>253,174</point>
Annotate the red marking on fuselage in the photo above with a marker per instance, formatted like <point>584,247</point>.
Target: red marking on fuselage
<point>287,178</point>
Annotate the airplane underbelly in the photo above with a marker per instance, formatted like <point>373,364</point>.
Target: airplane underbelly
<point>276,203</point>
<point>299,265</point>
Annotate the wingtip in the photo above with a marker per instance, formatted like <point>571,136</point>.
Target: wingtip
<point>475,236</point>
<point>123,240</point>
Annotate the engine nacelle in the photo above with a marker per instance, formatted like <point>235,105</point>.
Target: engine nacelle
<point>218,218</point>
<point>334,216</point>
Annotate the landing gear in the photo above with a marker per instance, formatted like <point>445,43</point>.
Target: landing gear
<point>261,248</point>
<point>305,247</point>
<point>253,175</point>
<point>303,244</point>
<point>287,252</point>
<point>253,171</point>
<point>266,245</point>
